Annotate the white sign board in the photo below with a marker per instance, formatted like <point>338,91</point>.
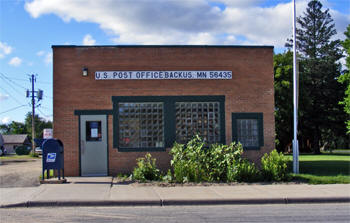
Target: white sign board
<point>47,134</point>
<point>162,75</point>
<point>94,133</point>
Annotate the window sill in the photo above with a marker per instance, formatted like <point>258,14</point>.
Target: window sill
<point>154,149</point>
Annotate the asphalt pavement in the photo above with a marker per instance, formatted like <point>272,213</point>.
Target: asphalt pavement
<point>326,212</point>
<point>105,191</point>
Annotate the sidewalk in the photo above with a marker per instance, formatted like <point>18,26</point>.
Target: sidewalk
<point>101,191</point>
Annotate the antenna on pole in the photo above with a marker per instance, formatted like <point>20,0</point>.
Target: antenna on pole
<point>295,98</point>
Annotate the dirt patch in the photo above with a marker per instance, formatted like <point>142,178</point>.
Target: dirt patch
<point>20,172</point>
<point>128,181</point>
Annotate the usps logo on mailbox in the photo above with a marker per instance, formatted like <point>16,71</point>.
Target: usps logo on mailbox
<point>51,157</point>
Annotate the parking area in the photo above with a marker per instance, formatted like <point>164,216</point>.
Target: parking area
<point>20,172</point>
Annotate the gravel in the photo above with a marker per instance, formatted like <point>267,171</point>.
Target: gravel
<point>20,173</point>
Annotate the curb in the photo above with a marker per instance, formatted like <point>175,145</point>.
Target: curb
<point>174,202</point>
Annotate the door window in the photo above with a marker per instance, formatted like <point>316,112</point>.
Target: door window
<point>93,131</point>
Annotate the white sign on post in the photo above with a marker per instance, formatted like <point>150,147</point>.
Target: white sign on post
<point>162,75</point>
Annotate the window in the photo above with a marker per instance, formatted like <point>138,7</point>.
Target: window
<point>201,118</point>
<point>93,131</point>
<point>154,123</point>
<point>247,128</point>
<point>141,125</point>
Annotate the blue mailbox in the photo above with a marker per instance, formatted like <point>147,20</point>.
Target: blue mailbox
<point>52,157</point>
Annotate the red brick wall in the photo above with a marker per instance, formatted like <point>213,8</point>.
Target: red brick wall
<point>250,90</point>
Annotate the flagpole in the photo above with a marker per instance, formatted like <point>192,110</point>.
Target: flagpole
<point>295,99</point>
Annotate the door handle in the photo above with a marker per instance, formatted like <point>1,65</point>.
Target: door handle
<point>82,146</point>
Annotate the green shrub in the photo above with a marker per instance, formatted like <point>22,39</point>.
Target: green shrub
<point>194,162</point>
<point>146,169</point>
<point>22,150</point>
<point>168,177</point>
<point>243,171</point>
<point>188,160</point>
<point>219,158</point>
<point>274,167</point>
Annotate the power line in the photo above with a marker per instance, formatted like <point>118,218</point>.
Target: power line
<point>12,109</point>
<point>20,79</point>
<point>43,113</point>
<point>11,95</point>
<point>46,108</point>
<point>16,84</point>
<point>13,86</point>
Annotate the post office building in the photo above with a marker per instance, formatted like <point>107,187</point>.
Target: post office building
<point>113,104</point>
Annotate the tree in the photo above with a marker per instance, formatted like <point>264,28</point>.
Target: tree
<point>283,73</point>
<point>40,125</point>
<point>13,128</point>
<point>345,78</point>
<point>320,115</point>
<point>26,127</point>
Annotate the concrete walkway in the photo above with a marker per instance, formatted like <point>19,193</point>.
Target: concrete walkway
<point>102,191</point>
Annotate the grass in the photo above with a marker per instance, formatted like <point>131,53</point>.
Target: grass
<point>323,168</point>
<point>51,174</point>
<point>15,157</point>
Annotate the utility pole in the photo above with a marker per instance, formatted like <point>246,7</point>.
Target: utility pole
<point>33,114</point>
<point>31,94</point>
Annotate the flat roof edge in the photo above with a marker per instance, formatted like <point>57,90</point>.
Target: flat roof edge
<point>163,46</point>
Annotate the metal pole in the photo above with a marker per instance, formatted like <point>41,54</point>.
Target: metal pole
<point>33,115</point>
<point>295,100</point>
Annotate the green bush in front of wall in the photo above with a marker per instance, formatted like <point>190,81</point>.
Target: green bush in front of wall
<point>243,171</point>
<point>187,162</point>
<point>146,169</point>
<point>193,162</point>
<point>219,158</point>
<point>22,150</point>
<point>274,167</point>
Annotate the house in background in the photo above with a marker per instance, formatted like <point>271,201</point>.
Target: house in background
<point>12,141</point>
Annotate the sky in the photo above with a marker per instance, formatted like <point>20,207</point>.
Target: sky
<point>28,29</point>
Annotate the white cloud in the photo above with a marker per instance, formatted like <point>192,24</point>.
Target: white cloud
<point>3,97</point>
<point>40,53</point>
<point>15,61</point>
<point>202,38</point>
<point>182,21</point>
<point>46,55</point>
<point>4,49</point>
<point>5,120</point>
<point>342,21</point>
<point>48,58</point>
<point>88,40</point>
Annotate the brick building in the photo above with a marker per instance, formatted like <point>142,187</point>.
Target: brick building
<point>112,104</point>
